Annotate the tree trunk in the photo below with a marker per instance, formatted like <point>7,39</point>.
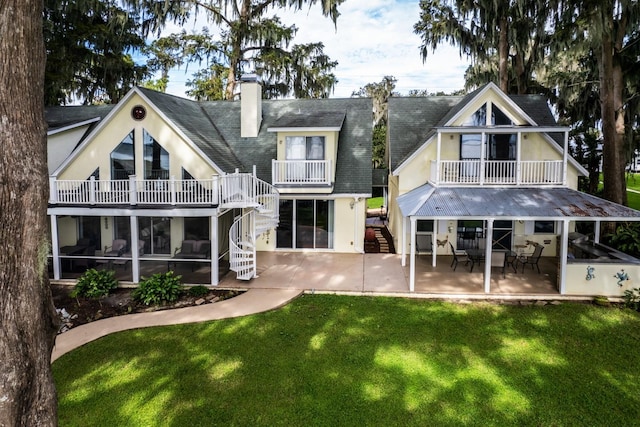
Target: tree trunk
<point>613,148</point>
<point>503,55</point>
<point>27,315</point>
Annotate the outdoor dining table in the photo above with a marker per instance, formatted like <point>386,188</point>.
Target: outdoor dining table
<point>476,255</point>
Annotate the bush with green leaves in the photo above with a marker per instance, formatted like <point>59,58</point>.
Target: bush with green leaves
<point>631,298</point>
<point>158,289</point>
<point>198,291</point>
<point>95,283</point>
<point>627,238</point>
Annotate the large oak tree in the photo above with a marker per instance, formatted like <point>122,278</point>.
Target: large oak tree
<point>27,315</point>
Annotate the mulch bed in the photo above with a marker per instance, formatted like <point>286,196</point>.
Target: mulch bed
<point>78,311</point>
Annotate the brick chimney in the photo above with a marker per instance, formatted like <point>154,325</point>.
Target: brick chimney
<point>250,105</point>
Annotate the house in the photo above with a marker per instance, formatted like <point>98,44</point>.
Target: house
<point>490,174</point>
<point>158,181</point>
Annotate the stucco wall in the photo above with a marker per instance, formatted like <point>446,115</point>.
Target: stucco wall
<point>603,280</point>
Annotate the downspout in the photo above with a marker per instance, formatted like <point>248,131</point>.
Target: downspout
<point>357,247</point>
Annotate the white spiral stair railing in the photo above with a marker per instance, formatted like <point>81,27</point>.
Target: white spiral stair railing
<point>262,201</point>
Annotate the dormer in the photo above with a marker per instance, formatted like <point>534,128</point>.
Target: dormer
<point>307,151</point>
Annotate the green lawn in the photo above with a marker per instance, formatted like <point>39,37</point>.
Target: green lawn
<point>374,202</point>
<point>355,361</point>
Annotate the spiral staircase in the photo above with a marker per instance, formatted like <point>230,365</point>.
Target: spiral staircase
<point>260,202</point>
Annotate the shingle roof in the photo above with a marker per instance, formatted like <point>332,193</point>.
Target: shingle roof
<point>191,118</point>
<point>412,119</point>
<point>321,119</point>
<point>215,128</point>
<point>353,169</point>
<point>58,117</point>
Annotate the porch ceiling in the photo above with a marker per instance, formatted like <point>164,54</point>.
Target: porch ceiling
<point>429,201</point>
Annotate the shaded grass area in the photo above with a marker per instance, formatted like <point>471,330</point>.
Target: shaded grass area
<point>335,360</point>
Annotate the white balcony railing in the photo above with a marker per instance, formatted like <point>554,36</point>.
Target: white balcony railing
<point>301,172</point>
<point>497,172</point>
<point>232,190</point>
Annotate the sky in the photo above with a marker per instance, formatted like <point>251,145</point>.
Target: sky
<point>373,39</point>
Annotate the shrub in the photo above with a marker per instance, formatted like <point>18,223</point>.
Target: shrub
<point>627,238</point>
<point>158,289</point>
<point>95,283</point>
<point>198,291</point>
<point>632,298</point>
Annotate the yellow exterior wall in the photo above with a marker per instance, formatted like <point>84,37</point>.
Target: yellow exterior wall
<point>604,281</point>
<point>349,225</point>
<point>67,231</point>
<point>97,153</point>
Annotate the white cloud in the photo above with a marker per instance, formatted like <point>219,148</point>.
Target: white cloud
<point>373,39</point>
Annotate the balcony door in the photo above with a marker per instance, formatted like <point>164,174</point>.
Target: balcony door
<point>301,151</point>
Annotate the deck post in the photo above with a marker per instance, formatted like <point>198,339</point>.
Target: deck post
<point>412,266</point>
<point>55,246</point>
<point>487,256</point>
<point>564,253</point>
<point>215,261</point>
<point>133,246</point>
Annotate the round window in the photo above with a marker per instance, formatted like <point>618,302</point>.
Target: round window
<point>138,112</point>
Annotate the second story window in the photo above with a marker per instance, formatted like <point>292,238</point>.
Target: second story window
<point>156,158</point>
<point>305,148</point>
<point>123,158</point>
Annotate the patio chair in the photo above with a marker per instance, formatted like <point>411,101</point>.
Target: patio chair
<point>117,248</point>
<point>126,257</point>
<point>457,257</point>
<point>531,259</point>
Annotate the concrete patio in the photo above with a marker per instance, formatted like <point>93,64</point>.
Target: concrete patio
<point>366,274</point>
<point>384,274</point>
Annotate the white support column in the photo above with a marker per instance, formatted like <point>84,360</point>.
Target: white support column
<point>403,245</point>
<point>487,256</point>
<point>519,159</point>
<point>412,267</point>
<point>483,155</point>
<point>213,237</point>
<point>254,239</point>
<point>133,245</point>
<point>596,237</point>
<point>55,247</point>
<point>438,151</point>
<point>434,240</point>
<point>564,251</point>
<point>565,156</point>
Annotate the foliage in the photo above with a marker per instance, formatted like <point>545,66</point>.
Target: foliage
<point>158,289</point>
<point>631,299</point>
<point>510,33</point>
<point>198,291</point>
<point>337,360</point>
<point>248,41</point>
<point>627,238</point>
<point>89,46</point>
<point>95,283</point>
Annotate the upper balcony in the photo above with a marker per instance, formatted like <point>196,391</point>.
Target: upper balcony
<point>236,190</point>
<point>497,172</point>
<point>301,173</point>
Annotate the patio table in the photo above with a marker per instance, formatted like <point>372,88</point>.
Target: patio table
<point>475,255</point>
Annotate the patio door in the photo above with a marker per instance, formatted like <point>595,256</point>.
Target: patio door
<point>155,232</point>
<point>502,239</point>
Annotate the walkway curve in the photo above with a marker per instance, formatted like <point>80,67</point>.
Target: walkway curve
<point>250,302</point>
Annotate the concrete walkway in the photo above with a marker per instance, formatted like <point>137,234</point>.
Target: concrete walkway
<point>250,302</point>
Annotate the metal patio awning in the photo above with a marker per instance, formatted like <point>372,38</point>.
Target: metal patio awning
<point>519,203</point>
